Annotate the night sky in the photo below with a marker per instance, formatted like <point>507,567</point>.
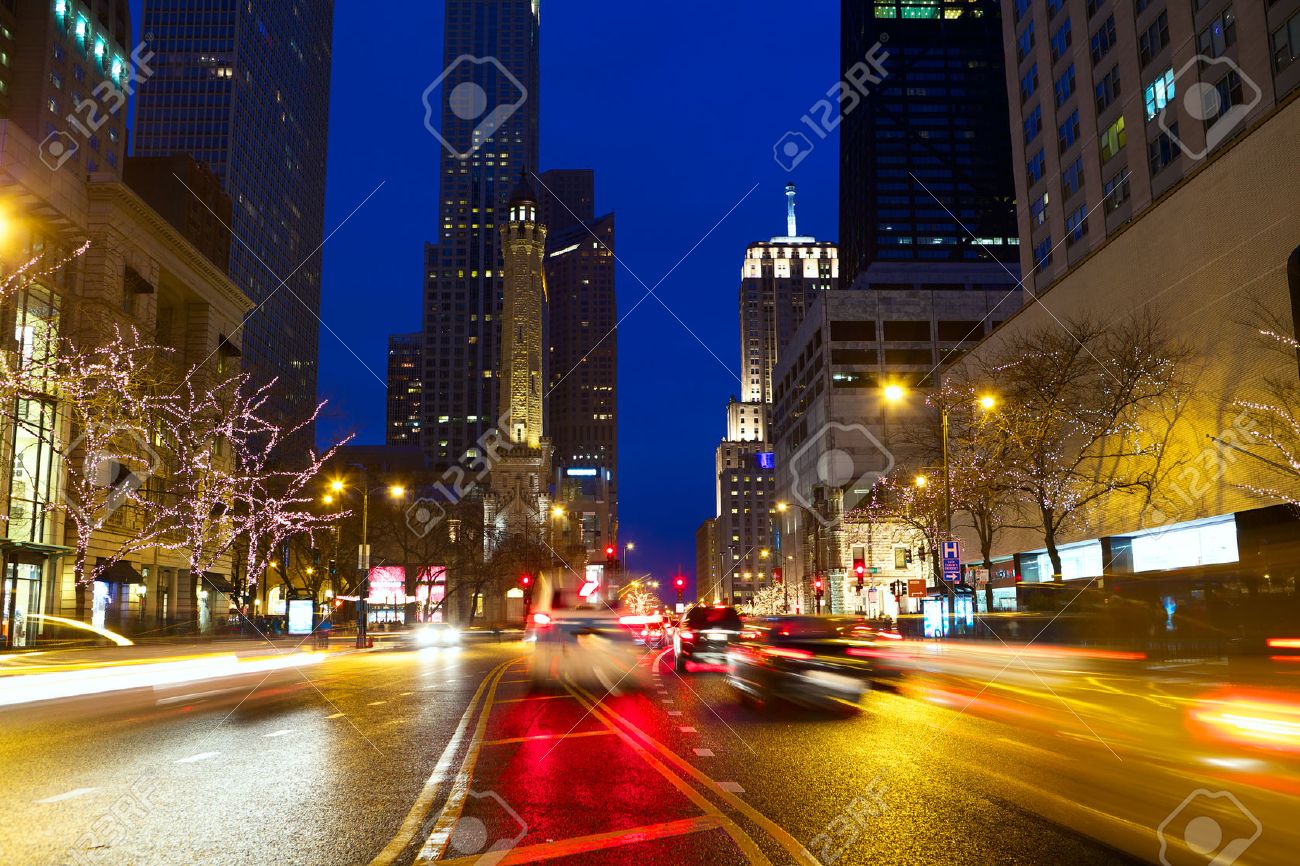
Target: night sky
<point>676,107</point>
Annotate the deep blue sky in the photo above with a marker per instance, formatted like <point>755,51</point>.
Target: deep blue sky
<point>676,106</point>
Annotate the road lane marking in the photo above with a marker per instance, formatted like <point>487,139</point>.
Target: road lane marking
<point>280,733</point>
<point>674,712</point>
<point>415,817</point>
<point>733,787</point>
<point>334,716</point>
<point>540,737</point>
<point>434,846</point>
<point>404,694</point>
<point>534,698</point>
<point>776,831</point>
<point>704,753</point>
<point>201,756</point>
<point>687,729</point>
<point>67,795</point>
<point>747,845</point>
<point>595,842</point>
<point>376,703</point>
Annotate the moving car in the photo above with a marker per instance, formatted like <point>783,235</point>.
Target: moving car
<point>435,634</point>
<point>705,633</point>
<point>580,640</point>
<point>811,661</point>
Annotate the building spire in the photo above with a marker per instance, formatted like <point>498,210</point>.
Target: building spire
<point>790,230</point>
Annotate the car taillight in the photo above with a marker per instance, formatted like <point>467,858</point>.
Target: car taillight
<point>782,652</point>
<point>860,652</point>
<point>748,635</point>
<point>889,635</point>
<point>1284,643</point>
<point>686,634</point>
<point>541,619</point>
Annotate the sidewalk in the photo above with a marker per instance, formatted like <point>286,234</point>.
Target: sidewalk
<point>49,661</point>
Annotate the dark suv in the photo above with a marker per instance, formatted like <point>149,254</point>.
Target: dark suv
<point>704,635</point>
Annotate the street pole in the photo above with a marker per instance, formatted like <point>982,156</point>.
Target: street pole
<point>947,512</point>
<point>363,565</point>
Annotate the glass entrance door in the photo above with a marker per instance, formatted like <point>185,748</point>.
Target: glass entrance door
<point>22,600</point>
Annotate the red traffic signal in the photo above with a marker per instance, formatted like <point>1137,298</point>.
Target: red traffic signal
<point>679,582</point>
<point>609,551</point>
<point>525,580</point>
<point>859,567</point>
<point>817,585</point>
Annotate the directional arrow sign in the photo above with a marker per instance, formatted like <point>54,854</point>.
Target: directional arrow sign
<point>591,585</point>
<point>951,561</point>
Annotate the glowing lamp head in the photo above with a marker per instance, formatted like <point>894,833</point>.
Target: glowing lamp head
<point>894,393</point>
<point>988,402</point>
<point>336,486</point>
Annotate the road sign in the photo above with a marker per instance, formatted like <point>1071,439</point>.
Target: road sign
<point>951,561</point>
<point>916,589</point>
<point>980,576</point>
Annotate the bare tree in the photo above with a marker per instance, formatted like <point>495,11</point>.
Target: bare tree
<point>1082,409</point>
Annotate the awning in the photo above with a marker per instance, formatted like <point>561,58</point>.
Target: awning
<point>219,582</point>
<point>120,572</point>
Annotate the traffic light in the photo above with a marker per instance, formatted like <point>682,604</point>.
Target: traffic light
<point>860,569</point>
<point>679,583</point>
<point>610,550</point>
<point>818,586</point>
<point>525,581</point>
<point>907,556</point>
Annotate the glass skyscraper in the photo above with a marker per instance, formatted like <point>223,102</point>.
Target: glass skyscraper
<point>244,87</point>
<point>487,105</point>
<point>924,154</point>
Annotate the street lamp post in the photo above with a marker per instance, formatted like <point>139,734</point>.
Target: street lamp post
<point>363,550</point>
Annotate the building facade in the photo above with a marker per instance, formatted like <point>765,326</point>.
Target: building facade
<point>1215,260</point>
<point>480,165</point>
<point>1117,83</point>
<point>924,175</point>
<point>244,88</point>
<point>582,388</point>
<point>834,432</point>
<point>404,389</point>
<point>136,270</point>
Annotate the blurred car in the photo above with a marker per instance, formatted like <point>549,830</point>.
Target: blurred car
<point>804,660</point>
<point>581,641</point>
<point>705,633</point>
<point>439,634</point>
<point>881,648</point>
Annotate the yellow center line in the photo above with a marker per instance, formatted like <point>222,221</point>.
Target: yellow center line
<point>543,737</point>
<point>596,842</point>
<point>783,838</point>
<point>534,698</point>
<point>742,839</point>
<point>411,824</point>
<point>436,844</point>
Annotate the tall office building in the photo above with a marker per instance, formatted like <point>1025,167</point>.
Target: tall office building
<point>52,54</point>
<point>488,129</point>
<point>923,155</point>
<point>583,367</point>
<point>779,281</point>
<point>244,88</point>
<point>404,389</point>
<point>1112,81</point>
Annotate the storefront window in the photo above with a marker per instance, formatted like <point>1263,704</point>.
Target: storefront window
<point>1186,546</point>
<point>31,474</point>
<point>22,599</point>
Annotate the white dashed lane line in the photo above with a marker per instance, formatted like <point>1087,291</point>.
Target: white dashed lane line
<point>280,733</point>
<point>67,795</point>
<point>335,716</point>
<point>201,756</point>
<point>704,753</point>
<point>376,703</point>
<point>731,787</point>
<point>686,729</point>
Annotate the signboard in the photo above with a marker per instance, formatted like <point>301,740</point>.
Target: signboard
<point>979,575</point>
<point>766,459</point>
<point>581,472</point>
<point>591,585</point>
<point>300,611</point>
<point>916,589</point>
<point>951,561</point>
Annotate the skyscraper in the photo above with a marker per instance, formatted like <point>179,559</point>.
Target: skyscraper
<point>244,88</point>
<point>923,154</point>
<point>1119,110</point>
<point>404,389</point>
<point>779,281</point>
<point>488,111</point>
<point>583,365</point>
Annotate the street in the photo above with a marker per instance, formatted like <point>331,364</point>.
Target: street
<point>399,756</point>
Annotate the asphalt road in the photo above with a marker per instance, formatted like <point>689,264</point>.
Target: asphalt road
<point>394,757</point>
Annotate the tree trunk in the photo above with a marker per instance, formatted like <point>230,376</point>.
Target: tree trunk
<point>988,568</point>
<point>1049,537</point>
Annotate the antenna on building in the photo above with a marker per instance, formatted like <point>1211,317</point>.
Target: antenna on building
<point>790,230</point>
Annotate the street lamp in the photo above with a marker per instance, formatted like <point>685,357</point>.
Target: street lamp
<point>395,491</point>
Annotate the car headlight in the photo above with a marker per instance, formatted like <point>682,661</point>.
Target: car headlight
<point>425,637</point>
